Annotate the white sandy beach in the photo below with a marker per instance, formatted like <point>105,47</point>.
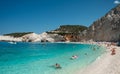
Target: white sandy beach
<point>105,64</point>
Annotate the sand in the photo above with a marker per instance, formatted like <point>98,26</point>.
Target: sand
<point>106,63</point>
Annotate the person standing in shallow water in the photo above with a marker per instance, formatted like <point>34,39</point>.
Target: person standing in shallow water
<point>57,66</point>
<point>86,54</point>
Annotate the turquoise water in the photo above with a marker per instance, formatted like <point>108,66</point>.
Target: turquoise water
<point>39,58</point>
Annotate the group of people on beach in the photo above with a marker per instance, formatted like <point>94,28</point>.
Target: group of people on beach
<point>113,52</point>
<point>109,45</point>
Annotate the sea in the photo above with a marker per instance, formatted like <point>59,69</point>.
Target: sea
<point>40,58</point>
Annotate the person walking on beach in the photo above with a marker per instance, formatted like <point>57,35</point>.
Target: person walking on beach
<point>113,52</point>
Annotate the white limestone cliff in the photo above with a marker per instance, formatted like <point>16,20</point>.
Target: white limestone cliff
<point>10,38</point>
<point>33,37</point>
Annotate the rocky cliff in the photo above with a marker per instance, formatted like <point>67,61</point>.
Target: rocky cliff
<point>71,33</point>
<point>106,28</point>
<point>33,37</point>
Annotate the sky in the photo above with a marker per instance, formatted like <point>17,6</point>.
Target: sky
<point>45,15</point>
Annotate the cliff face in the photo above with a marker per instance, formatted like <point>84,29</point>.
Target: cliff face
<point>106,28</point>
<point>71,33</point>
<point>44,37</point>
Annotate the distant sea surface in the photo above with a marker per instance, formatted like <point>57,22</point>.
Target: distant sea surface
<point>39,58</point>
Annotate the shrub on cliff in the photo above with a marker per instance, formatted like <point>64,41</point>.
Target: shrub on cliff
<point>17,34</point>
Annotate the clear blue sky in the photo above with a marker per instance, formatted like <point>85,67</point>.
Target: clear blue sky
<point>45,15</point>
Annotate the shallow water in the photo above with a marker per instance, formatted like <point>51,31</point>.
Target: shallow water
<point>39,58</point>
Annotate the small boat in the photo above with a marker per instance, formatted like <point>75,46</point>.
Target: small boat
<point>12,42</point>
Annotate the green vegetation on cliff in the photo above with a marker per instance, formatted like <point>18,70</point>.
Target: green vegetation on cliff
<point>69,29</point>
<point>17,34</point>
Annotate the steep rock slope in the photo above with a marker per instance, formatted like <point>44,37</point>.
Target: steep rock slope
<point>106,28</point>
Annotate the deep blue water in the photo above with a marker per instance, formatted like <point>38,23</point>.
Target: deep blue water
<point>39,58</point>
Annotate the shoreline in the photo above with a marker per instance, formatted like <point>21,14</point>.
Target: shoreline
<point>106,63</point>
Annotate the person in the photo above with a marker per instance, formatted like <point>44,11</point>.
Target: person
<point>74,57</point>
<point>86,54</point>
<point>94,49</point>
<point>113,52</point>
<point>57,66</point>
